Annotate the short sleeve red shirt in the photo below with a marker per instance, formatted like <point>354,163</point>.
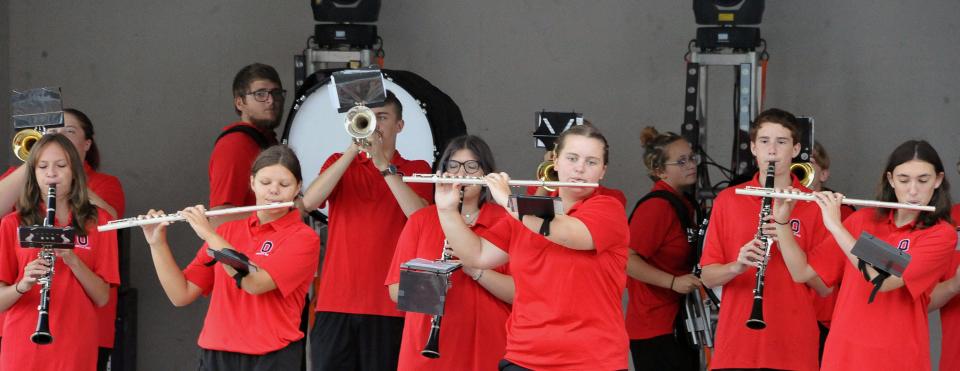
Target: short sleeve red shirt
<point>70,307</point>
<point>788,306</point>
<point>601,190</point>
<point>109,189</point>
<point>567,309</point>
<point>473,330</point>
<point>950,323</point>
<point>229,169</point>
<point>239,322</point>
<point>365,223</point>
<point>897,319</point>
<point>656,235</point>
<point>823,305</point>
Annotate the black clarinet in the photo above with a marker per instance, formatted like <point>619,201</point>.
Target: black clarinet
<point>432,349</point>
<point>42,335</point>
<point>756,321</point>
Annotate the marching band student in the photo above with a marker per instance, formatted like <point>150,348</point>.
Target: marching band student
<point>567,311</point>
<point>891,332</point>
<point>731,255</point>
<point>473,336</point>
<point>83,275</point>
<point>357,326</point>
<point>258,98</point>
<point>660,261</point>
<point>253,322</point>
<point>944,298</point>
<point>820,160</point>
<point>551,155</point>
<point>103,190</point>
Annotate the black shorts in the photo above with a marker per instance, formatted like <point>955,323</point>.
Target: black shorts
<point>344,342</point>
<point>289,357</point>
<point>663,353</point>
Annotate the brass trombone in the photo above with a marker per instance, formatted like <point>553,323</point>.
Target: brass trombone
<point>805,172</point>
<point>23,141</point>
<point>547,173</point>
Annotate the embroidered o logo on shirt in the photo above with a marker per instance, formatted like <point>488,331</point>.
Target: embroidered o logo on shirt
<point>82,243</point>
<point>265,248</point>
<point>795,227</point>
<point>904,245</point>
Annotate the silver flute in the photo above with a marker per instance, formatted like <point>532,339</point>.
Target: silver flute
<point>473,180</point>
<point>137,221</point>
<point>770,192</point>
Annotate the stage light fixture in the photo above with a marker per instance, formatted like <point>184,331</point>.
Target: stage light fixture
<point>726,16</point>
<point>341,18</point>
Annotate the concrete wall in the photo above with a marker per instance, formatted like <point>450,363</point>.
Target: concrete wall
<point>155,78</point>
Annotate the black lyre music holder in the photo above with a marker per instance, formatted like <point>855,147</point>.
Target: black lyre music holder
<point>36,108</point>
<point>40,236</point>
<point>543,207</point>
<point>886,259</point>
<point>424,284</point>
<point>359,87</point>
<point>550,124</point>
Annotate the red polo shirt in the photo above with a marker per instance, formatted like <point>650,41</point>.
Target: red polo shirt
<point>472,335</point>
<point>70,307</point>
<point>365,223</point>
<point>258,324</point>
<point>790,340</point>
<point>568,309</point>
<point>950,322</point>
<point>892,332</point>
<point>615,193</point>
<point>109,189</point>
<point>824,305</point>
<point>230,164</point>
<point>657,236</point>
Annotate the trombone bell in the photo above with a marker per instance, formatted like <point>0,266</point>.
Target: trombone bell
<point>23,141</point>
<point>361,123</point>
<point>547,173</point>
<point>804,171</point>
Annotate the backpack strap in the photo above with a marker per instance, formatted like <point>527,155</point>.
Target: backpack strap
<point>250,131</point>
<point>682,212</point>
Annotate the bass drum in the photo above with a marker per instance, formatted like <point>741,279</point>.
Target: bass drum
<point>315,130</point>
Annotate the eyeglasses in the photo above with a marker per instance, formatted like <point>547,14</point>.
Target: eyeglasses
<point>683,161</point>
<point>469,167</point>
<point>262,94</point>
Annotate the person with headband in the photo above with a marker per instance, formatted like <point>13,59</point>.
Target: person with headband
<point>661,260</point>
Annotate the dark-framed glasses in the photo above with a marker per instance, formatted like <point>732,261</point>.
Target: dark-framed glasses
<point>262,94</point>
<point>469,166</point>
<point>683,161</point>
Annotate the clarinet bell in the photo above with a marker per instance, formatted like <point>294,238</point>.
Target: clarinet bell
<point>432,349</point>
<point>42,335</point>
<point>756,321</point>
